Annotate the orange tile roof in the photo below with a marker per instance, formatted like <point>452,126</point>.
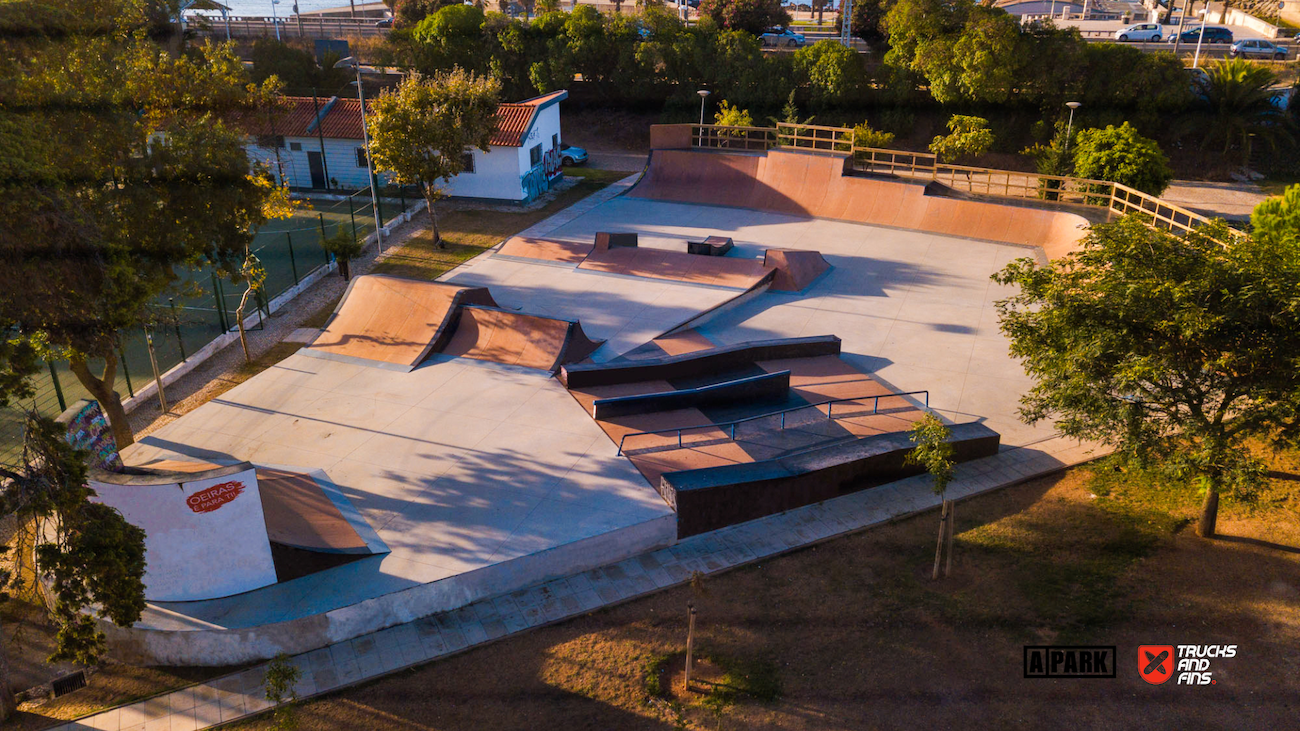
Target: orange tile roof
<point>342,119</point>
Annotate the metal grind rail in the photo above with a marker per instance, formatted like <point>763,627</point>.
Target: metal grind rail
<point>828,403</point>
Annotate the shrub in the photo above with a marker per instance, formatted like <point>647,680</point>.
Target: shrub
<point>1121,155</point>
<point>967,137</point>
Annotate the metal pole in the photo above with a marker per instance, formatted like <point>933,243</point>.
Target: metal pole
<point>293,263</point>
<point>58,388</point>
<point>176,323</point>
<point>320,139</point>
<point>126,372</point>
<point>1069,129</point>
<point>1196,59</point>
<point>275,19</point>
<point>365,137</point>
<point>225,315</point>
<point>1182,20</point>
<point>320,217</point>
<point>352,213</point>
<point>157,379</point>
<point>216,299</point>
<point>690,642</point>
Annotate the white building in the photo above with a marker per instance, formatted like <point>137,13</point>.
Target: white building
<point>318,145</point>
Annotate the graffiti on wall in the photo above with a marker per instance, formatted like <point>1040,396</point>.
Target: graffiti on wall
<point>539,179</point>
<point>551,162</point>
<point>88,429</point>
<point>534,183</point>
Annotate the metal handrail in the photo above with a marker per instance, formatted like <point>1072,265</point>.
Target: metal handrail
<point>828,403</point>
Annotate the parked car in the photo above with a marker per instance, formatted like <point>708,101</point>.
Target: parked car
<point>1258,48</point>
<point>1140,32</point>
<point>572,155</point>
<point>385,23</point>
<point>1213,34</point>
<point>782,37</point>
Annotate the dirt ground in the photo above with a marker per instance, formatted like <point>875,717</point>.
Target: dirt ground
<point>853,634</point>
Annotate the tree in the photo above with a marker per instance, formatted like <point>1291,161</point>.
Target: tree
<point>295,68</point>
<point>933,450</point>
<point>421,131</point>
<point>751,16</point>
<point>831,71</point>
<point>409,13</point>
<point>1277,218</point>
<point>130,171</point>
<point>729,116</point>
<point>345,247</point>
<point>92,558</point>
<point>1173,349</point>
<point>451,38</point>
<point>1054,159</point>
<point>1121,155</point>
<point>967,137</point>
<point>867,19</point>
<point>1239,99</point>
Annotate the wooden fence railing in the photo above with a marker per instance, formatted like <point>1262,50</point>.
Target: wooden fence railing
<point>1115,198</point>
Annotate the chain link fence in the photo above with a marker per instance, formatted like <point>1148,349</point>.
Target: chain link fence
<point>205,303</point>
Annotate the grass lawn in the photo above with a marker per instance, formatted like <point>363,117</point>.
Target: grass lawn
<point>853,634</point>
<point>469,232</point>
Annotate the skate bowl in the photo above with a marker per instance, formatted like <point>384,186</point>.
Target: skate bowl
<point>393,320</point>
<point>815,186</point>
<point>513,338</point>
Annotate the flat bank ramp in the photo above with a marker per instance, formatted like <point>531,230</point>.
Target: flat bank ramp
<point>805,184</point>
<point>517,339</point>
<point>394,320</point>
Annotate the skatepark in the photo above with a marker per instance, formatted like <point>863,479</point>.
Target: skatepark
<point>734,336</point>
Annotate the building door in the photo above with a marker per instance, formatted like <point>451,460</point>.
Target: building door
<point>317,169</point>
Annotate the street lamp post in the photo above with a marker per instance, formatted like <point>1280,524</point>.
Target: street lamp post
<point>1069,127</point>
<point>1196,59</point>
<point>704,94</point>
<point>275,18</point>
<point>352,62</point>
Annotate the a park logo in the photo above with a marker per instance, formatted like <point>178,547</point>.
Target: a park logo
<point>209,499</point>
<point>1156,663</point>
<point>1069,661</point>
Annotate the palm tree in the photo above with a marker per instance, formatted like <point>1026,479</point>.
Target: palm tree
<point>1240,98</point>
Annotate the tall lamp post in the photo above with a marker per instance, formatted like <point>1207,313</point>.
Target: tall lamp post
<point>1069,127</point>
<point>275,18</point>
<point>704,94</point>
<point>1196,59</point>
<point>353,63</point>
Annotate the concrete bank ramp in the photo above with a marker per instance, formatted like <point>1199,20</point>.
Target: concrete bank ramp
<point>394,320</point>
<point>514,338</point>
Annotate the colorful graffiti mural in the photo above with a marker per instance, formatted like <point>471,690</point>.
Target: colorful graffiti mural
<point>88,429</point>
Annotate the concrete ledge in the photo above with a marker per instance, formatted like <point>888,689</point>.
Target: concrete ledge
<point>716,497</point>
<point>186,642</point>
<point>752,389</point>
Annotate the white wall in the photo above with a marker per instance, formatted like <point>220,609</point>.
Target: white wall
<point>498,174</point>
<point>194,549</point>
<point>340,161</point>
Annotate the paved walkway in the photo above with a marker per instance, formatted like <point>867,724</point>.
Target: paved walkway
<point>1231,201</point>
<point>240,695</point>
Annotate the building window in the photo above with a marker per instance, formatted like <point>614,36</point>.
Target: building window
<point>535,156</point>
<point>361,157</point>
<point>270,141</point>
<point>555,141</point>
<point>467,162</point>
<point>295,146</point>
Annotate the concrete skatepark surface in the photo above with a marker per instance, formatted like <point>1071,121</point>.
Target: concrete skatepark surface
<point>481,476</point>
